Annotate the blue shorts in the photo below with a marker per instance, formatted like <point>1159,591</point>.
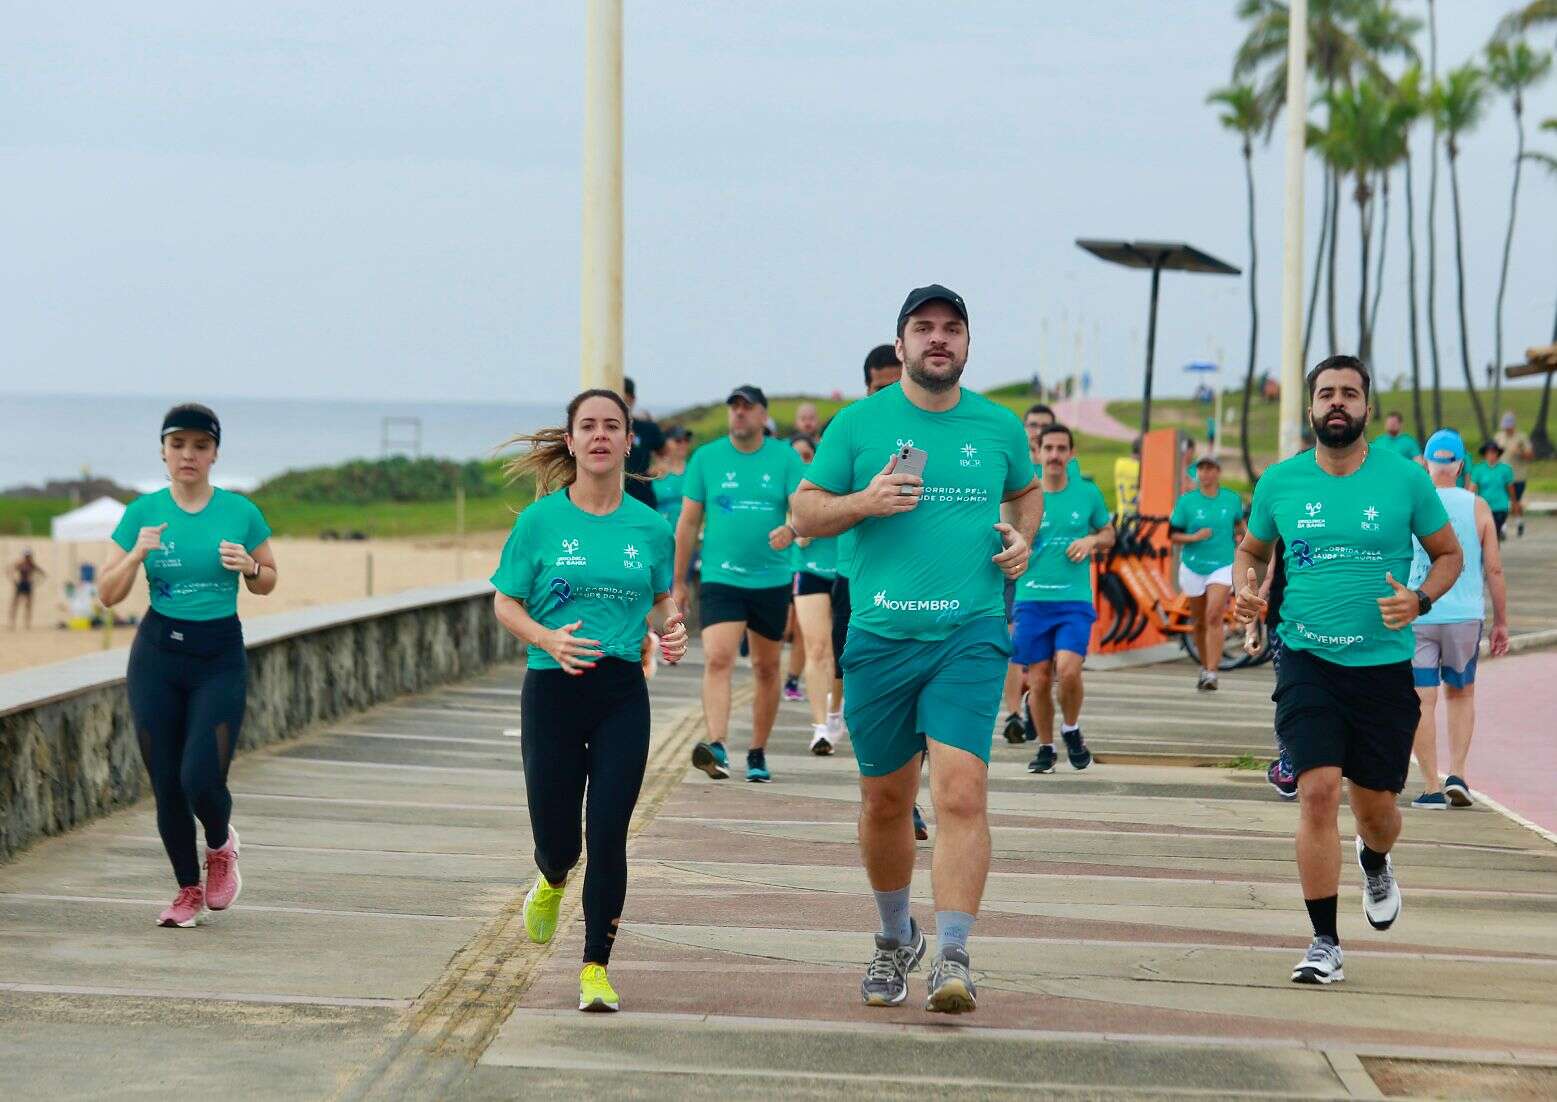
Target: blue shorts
<point>1043,627</point>
<point>899,692</point>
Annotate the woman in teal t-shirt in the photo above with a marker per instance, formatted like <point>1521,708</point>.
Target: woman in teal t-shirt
<point>670,469</point>
<point>583,568</point>
<point>1492,478</point>
<point>188,672</point>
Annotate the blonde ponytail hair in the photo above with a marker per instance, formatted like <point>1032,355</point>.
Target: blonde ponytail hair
<point>547,459</point>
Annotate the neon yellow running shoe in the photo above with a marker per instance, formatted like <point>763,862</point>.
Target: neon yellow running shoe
<point>595,991</point>
<point>540,910</point>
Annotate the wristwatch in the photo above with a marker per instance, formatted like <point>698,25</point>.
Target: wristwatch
<point>1423,603</point>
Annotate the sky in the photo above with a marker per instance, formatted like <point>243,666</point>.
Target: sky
<point>348,200</point>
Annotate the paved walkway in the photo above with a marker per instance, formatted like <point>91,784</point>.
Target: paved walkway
<point>1138,930</point>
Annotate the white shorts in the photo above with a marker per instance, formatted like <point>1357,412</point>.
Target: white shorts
<point>1194,585</point>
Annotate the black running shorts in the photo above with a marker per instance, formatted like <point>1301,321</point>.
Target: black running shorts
<point>765,611</point>
<point>840,622</point>
<point>1361,718</point>
<point>807,584</point>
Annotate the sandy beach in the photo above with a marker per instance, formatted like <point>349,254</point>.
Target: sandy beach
<point>313,572</point>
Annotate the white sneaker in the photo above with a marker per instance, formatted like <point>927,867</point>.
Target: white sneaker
<point>821,740</point>
<point>1321,964</point>
<point>1380,893</point>
<point>835,728</point>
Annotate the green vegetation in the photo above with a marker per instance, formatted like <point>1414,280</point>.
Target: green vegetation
<point>1190,416</point>
<point>398,478</point>
<point>1242,761</point>
<point>30,516</point>
<point>391,519</point>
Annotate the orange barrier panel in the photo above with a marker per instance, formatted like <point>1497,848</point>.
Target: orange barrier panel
<point>1147,576</point>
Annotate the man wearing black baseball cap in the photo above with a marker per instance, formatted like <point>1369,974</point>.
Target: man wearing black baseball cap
<point>736,494</point>
<point>927,643</point>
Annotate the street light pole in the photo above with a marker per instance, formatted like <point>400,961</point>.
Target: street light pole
<point>600,270</point>
<point>1292,388</point>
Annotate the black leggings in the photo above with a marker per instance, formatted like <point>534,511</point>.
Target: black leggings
<point>188,685</point>
<point>587,732</point>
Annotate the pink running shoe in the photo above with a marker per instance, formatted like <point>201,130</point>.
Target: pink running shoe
<point>222,882</point>
<point>186,910</point>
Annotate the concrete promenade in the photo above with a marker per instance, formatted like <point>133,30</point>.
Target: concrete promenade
<point>1141,921</point>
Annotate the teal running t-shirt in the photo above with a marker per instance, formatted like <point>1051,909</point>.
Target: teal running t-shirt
<point>1404,445</point>
<point>819,557</point>
<point>187,578</point>
<point>1341,536</point>
<point>924,573</point>
<point>667,496</point>
<point>1221,514</point>
<point>745,495</point>
<point>1492,483</point>
<point>1068,515</point>
<point>567,565</point>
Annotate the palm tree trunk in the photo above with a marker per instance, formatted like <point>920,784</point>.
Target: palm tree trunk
<point>1319,257</point>
<point>1432,222</point>
<point>1540,439</point>
<point>1459,264</point>
<point>1335,233</point>
<point>1378,272</point>
<point>1416,352</point>
<point>1365,235</point>
<point>1508,245</point>
<point>1254,317</point>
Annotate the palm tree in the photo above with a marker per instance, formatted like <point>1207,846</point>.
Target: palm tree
<point>1409,104</point>
<point>1336,54</point>
<point>1540,438</point>
<point>1535,13</point>
<point>1242,115</point>
<point>1512,67</point>
<point>1432,215</point>
<point>1361,141</point>
<point>1458,103</point>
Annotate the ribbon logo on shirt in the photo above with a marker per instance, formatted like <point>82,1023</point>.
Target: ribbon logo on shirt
<point>1302,552</point>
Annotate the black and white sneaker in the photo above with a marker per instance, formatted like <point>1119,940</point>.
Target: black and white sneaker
<point>1076,749</point>
<point>1014,731</point>
<point>1043,761</point>
<point>1207,682</point>
<point>886,976</point>
<point>1380,893</point>
<point>1321,964</point>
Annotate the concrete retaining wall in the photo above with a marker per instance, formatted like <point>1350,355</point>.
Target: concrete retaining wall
<point>67,745</point>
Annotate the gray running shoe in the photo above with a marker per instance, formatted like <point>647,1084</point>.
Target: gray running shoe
<point>886,976</point>
<point>1321,964</point>
<point>951,985</point>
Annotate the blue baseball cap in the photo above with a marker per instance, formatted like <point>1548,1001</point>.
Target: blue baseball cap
<point>1444,446</point>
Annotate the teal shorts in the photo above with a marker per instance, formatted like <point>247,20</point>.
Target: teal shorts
<point>898,692</point>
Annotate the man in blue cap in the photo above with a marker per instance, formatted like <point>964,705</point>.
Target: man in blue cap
<point>1448,636</point>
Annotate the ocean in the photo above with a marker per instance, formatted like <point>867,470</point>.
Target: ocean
<point>60,436</point>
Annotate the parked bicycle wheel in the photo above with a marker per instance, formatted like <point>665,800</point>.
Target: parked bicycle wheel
<point>1234,656</point>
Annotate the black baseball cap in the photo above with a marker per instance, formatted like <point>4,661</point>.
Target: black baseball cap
<point>752,394</point>
<point>921,295</point>
<point>678,432</point>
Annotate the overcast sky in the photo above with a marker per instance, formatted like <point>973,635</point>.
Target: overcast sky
<point>349,200</point>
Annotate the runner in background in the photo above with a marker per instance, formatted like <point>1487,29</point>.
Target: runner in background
<point>646,440</point>
<point>1207,524</point>
<point>1492,479</point>
<point>1395,440</point>
<point>1517,452</point>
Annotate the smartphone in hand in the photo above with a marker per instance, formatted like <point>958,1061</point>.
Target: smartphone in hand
<point>910,460</point>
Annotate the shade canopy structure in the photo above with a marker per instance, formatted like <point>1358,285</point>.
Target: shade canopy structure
<point>1155,256</point>
<point>92,523</point>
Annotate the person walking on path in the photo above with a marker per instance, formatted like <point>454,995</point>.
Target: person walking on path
<point>25,573</point>
<point>669,470</point>
<point>646,440</point>
<point>1395,439</point>
<point>1054,600</point>
<point>1518,452</point>
<point>927,650</point>
<point>1492,479</point>
<point>816,568</point>
<point>1345,702</point>
<point>736,493</point>
<point>188,671</point>
<point>1448,637</point>
<point>1207,524</point>
<point>583,567</point>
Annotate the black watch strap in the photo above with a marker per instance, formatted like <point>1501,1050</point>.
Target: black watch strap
<point>1423,602</point>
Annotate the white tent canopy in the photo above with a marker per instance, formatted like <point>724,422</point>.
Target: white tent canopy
<point>93,522</point>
